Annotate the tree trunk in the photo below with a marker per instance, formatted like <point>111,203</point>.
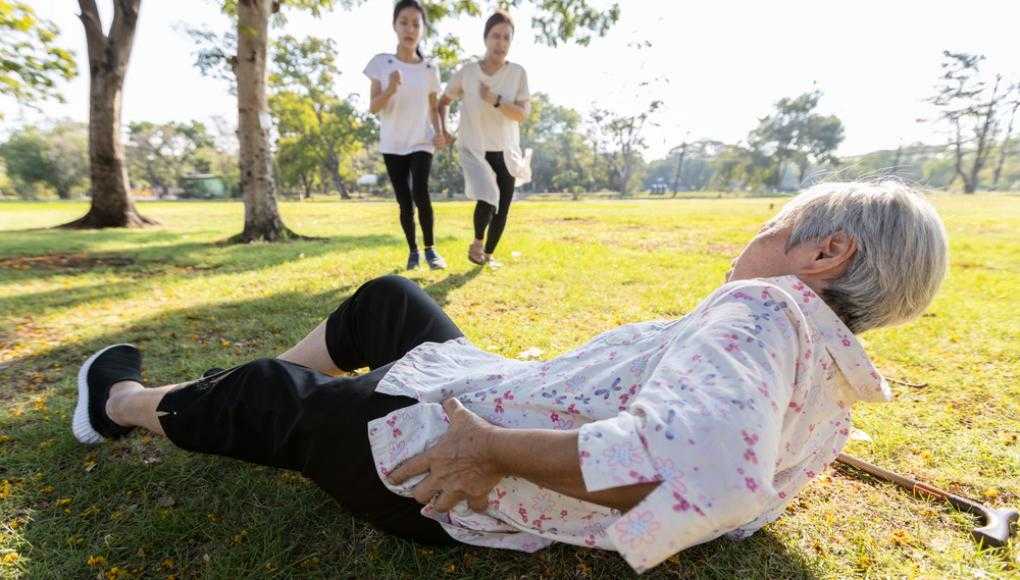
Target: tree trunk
<point>108,59</point>
<point>333,166</point>
<point>801,172</point>
<point>261,216</point>
<point>958,164</point>
<point>306,183</point>
<point>679,168</point>
<point>1004,150</point>
<point>983,135</point>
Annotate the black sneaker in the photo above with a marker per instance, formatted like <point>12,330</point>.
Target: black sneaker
<point>212,371</point>
<point>120,362</point>
<point>413,259</point>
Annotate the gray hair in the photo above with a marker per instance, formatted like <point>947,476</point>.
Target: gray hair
<point>902,251</point>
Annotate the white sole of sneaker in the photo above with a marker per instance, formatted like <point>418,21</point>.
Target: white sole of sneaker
<point>80,424</point>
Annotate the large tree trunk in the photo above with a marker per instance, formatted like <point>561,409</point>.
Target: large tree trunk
<point>261,216</point>
<point>108,59</point>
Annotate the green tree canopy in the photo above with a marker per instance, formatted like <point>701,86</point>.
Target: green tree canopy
<point>31,64</point>
<point>54,157</point>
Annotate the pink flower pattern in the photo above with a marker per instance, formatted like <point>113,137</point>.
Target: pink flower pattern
<point>714,405</point>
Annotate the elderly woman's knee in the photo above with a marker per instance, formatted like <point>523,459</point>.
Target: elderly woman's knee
<point>266,368</point>
<point>389,286</point>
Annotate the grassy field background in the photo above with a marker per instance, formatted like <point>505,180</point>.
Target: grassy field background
<point>139,507</point>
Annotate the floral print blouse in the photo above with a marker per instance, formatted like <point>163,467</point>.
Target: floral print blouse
<point>734,408</point>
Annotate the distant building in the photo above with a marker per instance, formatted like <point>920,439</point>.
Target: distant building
<point>203,186</point>
<point>368,180</point>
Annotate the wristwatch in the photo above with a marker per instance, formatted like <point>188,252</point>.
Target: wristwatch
<point>499,98</point>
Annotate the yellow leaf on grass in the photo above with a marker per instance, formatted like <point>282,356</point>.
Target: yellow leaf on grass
<point>9,558</point>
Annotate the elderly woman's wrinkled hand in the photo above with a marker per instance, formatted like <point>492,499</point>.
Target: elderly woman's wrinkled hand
<point>461,466</point>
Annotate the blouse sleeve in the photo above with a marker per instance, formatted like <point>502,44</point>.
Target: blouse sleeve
<point>523,93</point>
<point>707,423</point>
<point>375,69</point>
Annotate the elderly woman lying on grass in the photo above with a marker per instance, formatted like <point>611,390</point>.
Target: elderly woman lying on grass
<point>651,438</point>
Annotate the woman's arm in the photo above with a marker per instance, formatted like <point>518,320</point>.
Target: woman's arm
<point>381,98</point>
<point>557,467</point>
<point>438,123</point>
<point>442,106</point>
<point>474,455</point>
<point>515,111</point>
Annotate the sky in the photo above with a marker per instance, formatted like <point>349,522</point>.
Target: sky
<point>717,66</point>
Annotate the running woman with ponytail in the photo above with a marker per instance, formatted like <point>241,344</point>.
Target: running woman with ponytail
<point>404,94</point>
<point>495,101</point>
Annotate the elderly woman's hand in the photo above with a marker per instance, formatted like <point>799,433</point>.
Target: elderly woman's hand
<point>460,465</point>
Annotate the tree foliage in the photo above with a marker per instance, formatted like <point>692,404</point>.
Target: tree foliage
<point>972,105</point>
<point>49,159</point>
<point>31,63</point>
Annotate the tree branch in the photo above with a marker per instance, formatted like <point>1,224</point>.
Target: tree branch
<point>122,31</point>
<point>95,40</point>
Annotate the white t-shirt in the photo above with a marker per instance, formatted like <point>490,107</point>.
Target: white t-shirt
<point>484,128</point>
<point>405,125</point>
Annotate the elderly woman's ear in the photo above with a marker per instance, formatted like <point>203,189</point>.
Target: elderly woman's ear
<point>829,257</point>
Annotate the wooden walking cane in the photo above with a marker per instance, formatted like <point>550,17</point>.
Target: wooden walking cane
<point>997,522</point>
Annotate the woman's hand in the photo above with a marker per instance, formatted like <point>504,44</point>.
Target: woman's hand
<point>395,81</point>
<point>460,465</point>
<point>486,93</point>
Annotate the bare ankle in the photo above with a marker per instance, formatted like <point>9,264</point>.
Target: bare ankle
<point>118,403</point>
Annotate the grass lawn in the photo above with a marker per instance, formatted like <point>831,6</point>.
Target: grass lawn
<point>139,507</point>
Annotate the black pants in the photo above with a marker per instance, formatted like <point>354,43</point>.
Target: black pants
<point>409,175</point>
<point>485,213</point>
<point>281,414</point>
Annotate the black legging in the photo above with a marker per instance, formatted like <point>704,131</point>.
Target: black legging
<point>281,414</point>
<point>409,175</point>
<point>484,211</point>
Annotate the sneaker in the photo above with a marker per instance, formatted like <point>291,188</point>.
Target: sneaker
<point>90,423</point>
<point>492,263</point>
<point>476,253</point>
<point>434,260</point>
<point>413,259</point>
<point>211,372</point>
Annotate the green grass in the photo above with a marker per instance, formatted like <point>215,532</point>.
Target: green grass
<point>577,268</point>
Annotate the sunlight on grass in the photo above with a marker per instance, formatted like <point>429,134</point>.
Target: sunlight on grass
<point>573,269</point>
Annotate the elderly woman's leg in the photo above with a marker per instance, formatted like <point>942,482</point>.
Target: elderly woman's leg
<point>383,320</point>
<point>269,412</point>
<point>287,412</point>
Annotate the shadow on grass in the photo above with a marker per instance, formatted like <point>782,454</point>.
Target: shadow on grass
<point>144,264</point>
<point>440,290</point>
<point>154,510</point>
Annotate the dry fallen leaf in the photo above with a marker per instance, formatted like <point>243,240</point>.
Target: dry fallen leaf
<point>531,353</point>
<point>858,435</point>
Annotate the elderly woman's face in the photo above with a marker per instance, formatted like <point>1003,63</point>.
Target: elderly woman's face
<point>766,256</point>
